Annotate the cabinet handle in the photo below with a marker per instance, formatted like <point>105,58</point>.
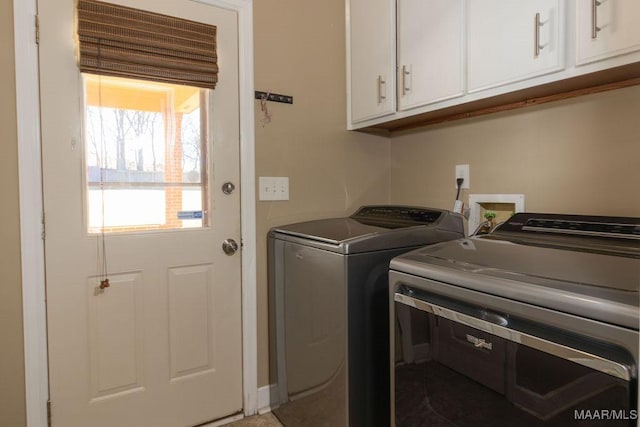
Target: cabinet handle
<point>381,94</point>
<point>537,47</point>
<point>594,18</point>
<point>405,73</point>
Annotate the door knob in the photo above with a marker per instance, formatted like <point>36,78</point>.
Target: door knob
<point>229,246</point>
<point>228,187</point>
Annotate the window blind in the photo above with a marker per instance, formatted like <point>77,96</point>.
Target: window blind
<point>124,42</point>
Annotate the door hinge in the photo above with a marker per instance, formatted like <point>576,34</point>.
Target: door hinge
<point>49,413</point>
<point>37,29</point>
<point>43,234</point>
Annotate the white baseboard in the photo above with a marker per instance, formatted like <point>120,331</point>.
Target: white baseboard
<point>264,406</point>
<point>224,421</point>
<point>264,397</point>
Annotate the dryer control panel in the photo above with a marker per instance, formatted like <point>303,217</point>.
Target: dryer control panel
<point>574,225</point>
<point>396,216</point>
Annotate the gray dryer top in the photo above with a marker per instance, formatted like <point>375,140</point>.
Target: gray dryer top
<point>375,228</point>
<point>584,265</point>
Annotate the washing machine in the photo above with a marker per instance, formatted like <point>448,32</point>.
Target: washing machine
<point>535,324</point>
<point>329,311</point>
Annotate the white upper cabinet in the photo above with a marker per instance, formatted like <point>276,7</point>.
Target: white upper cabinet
<point>430,51</point>
<point>606,28</point>
<point>371,58</point>
<point>411,62</point>
<point>513,40</point>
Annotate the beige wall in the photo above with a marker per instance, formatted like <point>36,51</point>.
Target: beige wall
<point>300,51</point>
<point>12,400</point>
<point>574,156</point>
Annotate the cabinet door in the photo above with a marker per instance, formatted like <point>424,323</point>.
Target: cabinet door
<point>372,58</point>
<point>606,28</point>
<point>430,51</point>
<point>513,40</point>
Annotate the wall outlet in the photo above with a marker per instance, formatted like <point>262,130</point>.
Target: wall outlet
<point>462,171</point>
<point>273,187</point>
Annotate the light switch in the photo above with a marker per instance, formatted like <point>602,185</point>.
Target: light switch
<point>273,187</point>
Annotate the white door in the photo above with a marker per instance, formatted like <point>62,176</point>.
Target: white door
<point>430,51</point>
<point>145,162</point>
<point>513,40</point>
<point>372,58</point>
<point>606,28</point>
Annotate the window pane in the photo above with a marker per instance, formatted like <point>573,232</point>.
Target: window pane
<point>145,147</point>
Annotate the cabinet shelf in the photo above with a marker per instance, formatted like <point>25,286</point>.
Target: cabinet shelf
<point>609,79</point>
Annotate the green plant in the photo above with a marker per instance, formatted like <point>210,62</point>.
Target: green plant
<point>489,215</point>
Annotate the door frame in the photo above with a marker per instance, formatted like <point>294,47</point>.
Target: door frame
<point>31,207</point>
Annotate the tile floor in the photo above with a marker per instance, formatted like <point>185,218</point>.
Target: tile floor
<point>264,420</point>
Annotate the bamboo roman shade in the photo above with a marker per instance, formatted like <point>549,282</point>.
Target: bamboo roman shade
<point>120,41</point>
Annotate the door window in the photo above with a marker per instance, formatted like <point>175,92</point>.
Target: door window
<point>146,155</point>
